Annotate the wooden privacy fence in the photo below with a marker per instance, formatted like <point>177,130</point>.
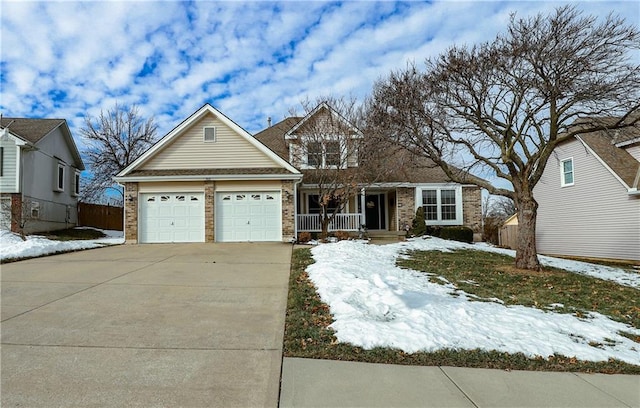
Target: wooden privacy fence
<point>101,216</point>
<point>507,236</point>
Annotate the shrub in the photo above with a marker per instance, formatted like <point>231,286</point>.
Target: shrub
<point>418,226</point>
<point>304,237</point>
<point>341,235</point>
<point>434,230</point>
<point>462,234</point>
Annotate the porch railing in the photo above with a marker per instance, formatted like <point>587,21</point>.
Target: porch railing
<point>340,222</point>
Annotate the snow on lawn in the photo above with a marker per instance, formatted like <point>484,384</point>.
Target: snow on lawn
<point>13,247</point>
<point>377,304</point>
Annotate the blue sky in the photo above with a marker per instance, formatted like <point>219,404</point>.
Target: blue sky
<point>251,60</point>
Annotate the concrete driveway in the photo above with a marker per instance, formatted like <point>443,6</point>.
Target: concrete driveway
<point>197,325</point>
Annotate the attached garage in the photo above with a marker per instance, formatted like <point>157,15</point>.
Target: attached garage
<point>248,216</point>
<point>171,217</point>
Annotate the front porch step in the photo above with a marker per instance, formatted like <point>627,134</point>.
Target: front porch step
<point>389,236</point>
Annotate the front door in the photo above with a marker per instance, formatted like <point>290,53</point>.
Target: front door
<point>375,211</point>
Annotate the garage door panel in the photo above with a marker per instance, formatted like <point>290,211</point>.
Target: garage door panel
<point>167,217</point>
<point>248,216</point>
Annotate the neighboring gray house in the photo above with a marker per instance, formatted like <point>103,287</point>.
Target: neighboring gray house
<point>39,174</point>
<point>588,196</point>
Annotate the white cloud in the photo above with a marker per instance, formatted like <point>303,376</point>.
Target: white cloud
<point>250,59</point>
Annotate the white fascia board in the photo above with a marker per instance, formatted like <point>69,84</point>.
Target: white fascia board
<point>233,177</point>
<point>603,163</point>
<point>16,139</point>
<point>628,142</point>
<point>192,119</point>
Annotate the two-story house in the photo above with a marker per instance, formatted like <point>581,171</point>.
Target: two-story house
<point>209,180</point>
<point>39,174</point>
<point>388,184</point>
<point>589,197</point>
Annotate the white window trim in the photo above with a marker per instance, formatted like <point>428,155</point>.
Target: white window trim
<point>328,138</point>
<point>439,187</point>
<point>215,134</point>
<point>56,182</point>
<point>562,174</point>
<point>75,184</point>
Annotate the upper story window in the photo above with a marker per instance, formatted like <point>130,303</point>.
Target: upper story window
<point>324,154</point>
<point>209,134</point>
<point>59,177</point>
<point>566,167</point>
<point>1,161</point>
<point>442,205</point>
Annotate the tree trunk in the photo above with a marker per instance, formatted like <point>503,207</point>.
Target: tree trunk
<point>526,254</point>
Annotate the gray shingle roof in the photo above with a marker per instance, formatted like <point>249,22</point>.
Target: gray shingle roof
<point>208,172</point>
<point>31,130</point>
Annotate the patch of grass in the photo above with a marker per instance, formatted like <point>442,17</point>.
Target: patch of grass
<point>490,275</point>
<point>71,234</point>
<point>308,335</point>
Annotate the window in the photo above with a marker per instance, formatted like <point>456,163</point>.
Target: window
<point>324,154</point>
<point>59,183</point>
<point>566,167</point>
<point>76,183</point>
<point>314,154</point>
<point>442,205</point>
<point>430,204</point>
<point>1,161</point>
<point>315,208</point>
<point>209,134</point>
<point>332,153</point>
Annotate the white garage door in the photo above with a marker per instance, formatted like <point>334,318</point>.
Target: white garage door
<point>171,217</point>
<point>248,216</point>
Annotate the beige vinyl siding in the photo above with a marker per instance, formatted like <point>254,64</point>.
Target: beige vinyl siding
<point>634,151</point>
<point>190,151</point>
<point>9,179</point>
<point>173,186</point>
<point>257,185</point>
<point>593,218</point>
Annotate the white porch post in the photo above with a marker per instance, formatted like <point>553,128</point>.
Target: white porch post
<point>363,219</point>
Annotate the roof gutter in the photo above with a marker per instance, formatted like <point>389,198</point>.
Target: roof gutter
<point>234,177</point>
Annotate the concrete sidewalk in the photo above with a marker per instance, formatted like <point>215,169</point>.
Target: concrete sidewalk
<point>322,383</point>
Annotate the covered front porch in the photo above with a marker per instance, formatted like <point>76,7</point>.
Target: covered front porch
<point>370,210</point>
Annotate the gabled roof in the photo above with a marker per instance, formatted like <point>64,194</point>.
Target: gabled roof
<point>33,130</point>
<point>617,160</point>
<point>178,130</point>
<point>324,106</point>
<point>401,165</point>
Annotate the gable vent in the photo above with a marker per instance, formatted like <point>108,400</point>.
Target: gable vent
<point>209,134</point>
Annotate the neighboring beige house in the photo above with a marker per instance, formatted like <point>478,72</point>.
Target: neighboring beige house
<point>389,200</point>
<point>39,174</point>
<point>208,180</point>
<point>589,198</point>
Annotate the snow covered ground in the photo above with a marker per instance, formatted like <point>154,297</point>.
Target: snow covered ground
<point>375,303</point>
<point>13,247</point>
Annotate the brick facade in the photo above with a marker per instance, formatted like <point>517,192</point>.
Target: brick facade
<point>131,213</point>
<point>209,211</point>
<point>406,206</point>
<point>288,211</point>
<point>472,208</point>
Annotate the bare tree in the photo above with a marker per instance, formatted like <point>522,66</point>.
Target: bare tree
<point>113,140</point>
<point>336,157</point>
<point>501,108</point>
